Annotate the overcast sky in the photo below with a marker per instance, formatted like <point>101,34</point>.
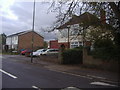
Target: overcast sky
<point>16,16</point>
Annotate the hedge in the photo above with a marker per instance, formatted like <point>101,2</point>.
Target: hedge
<point>72,56</point>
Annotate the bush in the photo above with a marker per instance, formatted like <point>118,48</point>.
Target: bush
<point>72,56</point>
<point>103,43</point>
<point>106,50</point>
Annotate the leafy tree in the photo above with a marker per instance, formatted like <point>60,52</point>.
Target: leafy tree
<point>2,39</point>
<point>95,34</point>
<point>45,44</point>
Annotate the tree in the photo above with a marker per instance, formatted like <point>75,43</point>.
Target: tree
<point>72,7</point>
<point>2,39</point>
<point>45,44</point>
<point>95,34</point>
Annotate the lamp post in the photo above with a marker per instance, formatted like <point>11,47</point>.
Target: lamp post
<point>33,31</point>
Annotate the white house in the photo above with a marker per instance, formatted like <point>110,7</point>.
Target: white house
<point>87,21</point>
<point>75,40</point>
<point>12,41</point>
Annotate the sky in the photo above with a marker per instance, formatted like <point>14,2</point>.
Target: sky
<point>16,16</point>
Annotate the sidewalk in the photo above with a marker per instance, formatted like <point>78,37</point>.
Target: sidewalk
<point>77,70</point>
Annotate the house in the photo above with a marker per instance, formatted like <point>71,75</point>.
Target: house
<point>23,40</point>
<point>73,32</point>
<point>75,40</point>
<point>53,44</point>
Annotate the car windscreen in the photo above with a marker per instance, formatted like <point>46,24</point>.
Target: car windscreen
<point>44,50</point>
<point>53,50</point>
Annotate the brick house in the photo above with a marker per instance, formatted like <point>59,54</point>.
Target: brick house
<point>23,40</point>
<point>53,44</point>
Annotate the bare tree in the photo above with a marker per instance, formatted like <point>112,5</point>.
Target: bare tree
<point>66,9</point>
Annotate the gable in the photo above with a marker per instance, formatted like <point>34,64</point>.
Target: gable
<point>31,32</point>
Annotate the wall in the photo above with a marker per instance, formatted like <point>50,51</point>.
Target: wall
<point>50,58</point>
<point>25,41</point>
<point>89,61</point>
<point>54,44</point>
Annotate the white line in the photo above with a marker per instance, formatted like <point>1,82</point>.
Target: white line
<point>87,76</point>
<point>8,74</point>
<point>72,74</point>
<point>95,76</point>
<point>34,87</point>
<point>103,84</point>
<point>71,87</point>
<point>109,81</point>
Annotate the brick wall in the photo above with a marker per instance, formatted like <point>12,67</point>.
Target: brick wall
<point>88,60</point>
<point>54,44</point>
<point>25,41</point>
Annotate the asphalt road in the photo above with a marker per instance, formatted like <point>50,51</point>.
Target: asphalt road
<point>16,74</point>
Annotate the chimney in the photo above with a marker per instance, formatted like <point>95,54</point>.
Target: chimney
<point>102,16</point>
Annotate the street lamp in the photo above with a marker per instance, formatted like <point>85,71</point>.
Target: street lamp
<point>33,31</point>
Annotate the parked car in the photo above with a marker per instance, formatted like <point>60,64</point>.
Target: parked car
<point>38,52</point>
<point>50,51</point>
<point>26,51</point>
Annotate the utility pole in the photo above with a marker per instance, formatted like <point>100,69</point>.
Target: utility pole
<point>33,31</point>
<point>68,38</point>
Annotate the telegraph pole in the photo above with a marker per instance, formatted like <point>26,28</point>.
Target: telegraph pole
<point>68,38</point>
<point>33,31</point>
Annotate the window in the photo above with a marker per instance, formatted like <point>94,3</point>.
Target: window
<point>80,42</point>
<point>75,44</point>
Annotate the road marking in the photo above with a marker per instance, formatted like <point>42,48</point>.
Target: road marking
<point>8,74</point>
<point>71,88</point>
<point>115,82</point>
<point>95,76</point>
<point>102,83</point>
<point>87,76</point>
<point>34,87</point>
<point>72,74</point>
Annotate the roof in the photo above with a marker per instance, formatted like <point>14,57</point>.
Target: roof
<point>23,32</point>
<point>18,33</point>
<point>85,19</point>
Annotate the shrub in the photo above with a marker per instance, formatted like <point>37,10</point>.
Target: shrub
<point>106,50</point>
<point>72,56</point>
<point>103,43</point>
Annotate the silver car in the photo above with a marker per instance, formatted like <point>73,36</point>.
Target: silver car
<point>50,51</point>
<point>38,52</point>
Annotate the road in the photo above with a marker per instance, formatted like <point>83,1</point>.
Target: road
<point>17,74</point>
